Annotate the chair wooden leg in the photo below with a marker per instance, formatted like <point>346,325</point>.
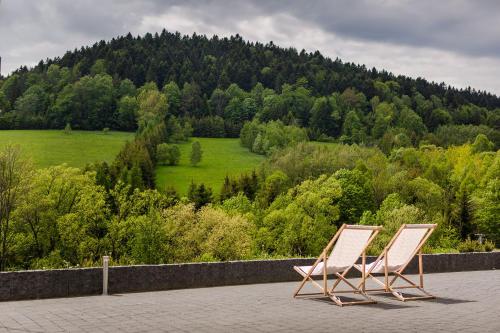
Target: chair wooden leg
<point>306,278</point>
<point>389,288</point>
<point>356,290</point>
<point>411,284</point>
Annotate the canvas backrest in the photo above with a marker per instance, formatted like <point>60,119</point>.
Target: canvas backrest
<point>404,246</point>
<point>349,246</point>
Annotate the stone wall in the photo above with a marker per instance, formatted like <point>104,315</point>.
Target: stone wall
<point>122,279</point>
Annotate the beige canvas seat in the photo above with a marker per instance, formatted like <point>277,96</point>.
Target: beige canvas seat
<point>348,244</point>
<point>405,244</point>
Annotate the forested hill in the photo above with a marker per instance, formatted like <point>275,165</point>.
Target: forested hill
<point>217,62</point>
<point>84,88</point>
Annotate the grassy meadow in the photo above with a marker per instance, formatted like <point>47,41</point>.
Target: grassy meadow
<point>53,147</point>
<point>221,157</point>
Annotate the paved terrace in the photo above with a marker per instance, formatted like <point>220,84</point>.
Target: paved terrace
<point>468,302</point>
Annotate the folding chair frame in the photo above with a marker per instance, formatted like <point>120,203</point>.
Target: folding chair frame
<point>387,286</point>
<point>332,293</point>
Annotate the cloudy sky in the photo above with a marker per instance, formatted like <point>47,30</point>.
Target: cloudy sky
<point>455,41</point>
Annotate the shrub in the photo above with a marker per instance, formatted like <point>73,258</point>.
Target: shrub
<point>265,138</point>
<point>227,237</point>
<point>67,129</point>
<point>168,154</point>
<point>200,195</point>
<point>196,153</point>
<point>489,246</point>
<point>471,246</point>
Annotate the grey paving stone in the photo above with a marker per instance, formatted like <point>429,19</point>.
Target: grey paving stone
<point>467,302</point>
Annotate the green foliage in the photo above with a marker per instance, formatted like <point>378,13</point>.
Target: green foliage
<point>460,134</point>
<point>323,119</point>
<point>180,234</point>
<point>272,136</point>
<point>453,187</point>
<point>274,184</point>
<point>14,175</point>
<point>65,217</point>
<point>173,94</point>
<point>211,127</point>
<point>200,195</point>
<point>310,160</point>
<point>127,112</point>
<point>67,129</point>
<point>425,194</point>
<point>275,100</point>
<point>486,209</point>
<point>353,130</point>
<point>149,242</point>
<point>302,221</point>
<point>62,217</point>
<point>86,103</point>
<point>357,195</point>
<point>207,84</point>
<point>238,204</point>
<point>391,215</point>
<point>196,153</point>
<point>4,103</point>
<point>482,144</point>
<point>168,154</point>
<point>31,106</point>
<point>489,246</point>
<point>177,132</point>
<point>152,108</point>
<point>472,246</point>
<point>246,185</point>
<point>228,237</point>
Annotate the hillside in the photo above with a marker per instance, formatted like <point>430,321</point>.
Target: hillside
<point>216,85</point>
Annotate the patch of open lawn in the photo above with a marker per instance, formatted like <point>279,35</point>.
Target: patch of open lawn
<point>221,157</point>
<point>53,147</point>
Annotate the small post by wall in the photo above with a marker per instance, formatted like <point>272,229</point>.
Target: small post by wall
<point>105,266</point>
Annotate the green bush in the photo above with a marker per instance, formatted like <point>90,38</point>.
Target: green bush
<point>265,138</point>
<point>471,246</point>
<point>168,154</point>
<point>489,246</point>
<point>67,129</point>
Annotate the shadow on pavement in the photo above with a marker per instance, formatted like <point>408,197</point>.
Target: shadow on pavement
<point>446,300</point>
<point>378,305</point>
<point>439,300</point>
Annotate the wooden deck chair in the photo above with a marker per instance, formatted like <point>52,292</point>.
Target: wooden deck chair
<point>348,244</point>
<point>405,244</point>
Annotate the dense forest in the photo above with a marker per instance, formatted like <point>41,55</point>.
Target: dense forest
<point>218,84</point>
<point>344,145</point>
<point>290,206</point>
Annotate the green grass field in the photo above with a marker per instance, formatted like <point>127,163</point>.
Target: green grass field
<point>52,147</point>
<point>221,157</point>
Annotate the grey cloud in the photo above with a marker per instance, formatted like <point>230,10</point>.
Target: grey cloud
<point>468,27</point>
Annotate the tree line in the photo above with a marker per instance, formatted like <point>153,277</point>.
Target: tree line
<point>213,86</point>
